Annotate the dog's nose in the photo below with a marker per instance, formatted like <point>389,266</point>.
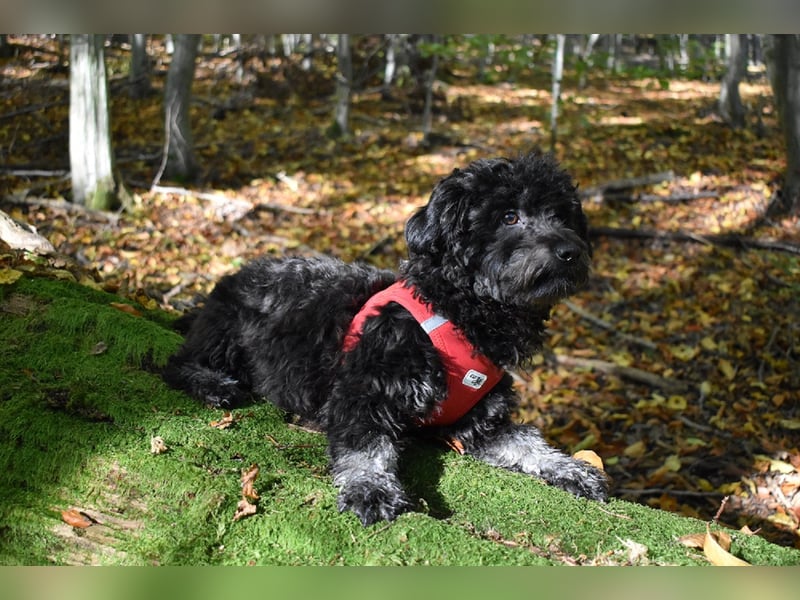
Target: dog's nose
<point>566,251</point>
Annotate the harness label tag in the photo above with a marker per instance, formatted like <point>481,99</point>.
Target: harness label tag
<point>474,379</point>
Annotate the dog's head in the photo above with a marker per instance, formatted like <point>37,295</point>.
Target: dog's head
<point>512,230</point>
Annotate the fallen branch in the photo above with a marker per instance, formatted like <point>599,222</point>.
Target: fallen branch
<point>627,184</point>
<point>603,324</point>
<point>674,198</point>
<point>667,491</point>
<point>671,386</point>
<point>33,108</point>
<point>221,200</point>
<point>59,204</point>
<point>21,236</point>
<point>729,240</point>
<point>34,172</point>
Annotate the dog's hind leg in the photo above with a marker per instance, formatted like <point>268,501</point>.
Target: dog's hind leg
<point>522,448</point>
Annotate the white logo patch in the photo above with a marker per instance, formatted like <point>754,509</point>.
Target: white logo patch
<point>474,379</point>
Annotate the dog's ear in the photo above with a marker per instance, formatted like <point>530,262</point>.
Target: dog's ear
<point>435,226</point>
<point>421,233</point>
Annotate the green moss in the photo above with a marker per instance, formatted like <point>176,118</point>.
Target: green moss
<point>80,402</point>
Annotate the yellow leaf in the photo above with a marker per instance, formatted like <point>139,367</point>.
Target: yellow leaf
<point>8,276</point>
<point>673,463</point>
<point>719,556</point>
<point>676,403</point>
<point>727,369</point>
<point>684,351</point>
<point>708,343</point>
<point>635,450</point>
<point>590,457</point>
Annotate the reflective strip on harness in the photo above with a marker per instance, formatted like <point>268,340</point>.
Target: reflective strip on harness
<point>470,375</point>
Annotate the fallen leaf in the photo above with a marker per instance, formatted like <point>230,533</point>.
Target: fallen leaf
<point>454,444</point>
<point>727,369</point>
<point>790,423</point>
<point>244,509</point>
<point>248,479</point>
<point>636,551</point>
<point>636,449</point>
<point>126,308</point>
<point>74,518</point>
<point>590,457</point>
<point>717,554</point>
<point>157,445</point>
<point>226,421</point>
<point>693,540</point>
<point>8,276</point>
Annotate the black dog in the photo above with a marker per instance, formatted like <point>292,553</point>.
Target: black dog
<point>498,244</point>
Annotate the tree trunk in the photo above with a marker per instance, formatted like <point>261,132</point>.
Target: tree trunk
<point>391,65</point>
<point>730,103</point>
<point>558,72</point>
<point>180,160</point>
<point>344,74</point>
<point>140,67</point>
<point>90,155</point>
<point>783,59</point>
<point>428,81</point>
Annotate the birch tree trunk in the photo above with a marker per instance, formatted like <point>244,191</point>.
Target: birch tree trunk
<point>731,108</point>
<point>783,61</point>
<point>429,80</point>
<point>558,73</point>
<point>179,156</point>
<point>90,156</point>
<point>344,74</point>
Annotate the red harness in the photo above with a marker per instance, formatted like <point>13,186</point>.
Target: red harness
<point>470,375</point>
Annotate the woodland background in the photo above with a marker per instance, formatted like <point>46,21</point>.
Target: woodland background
<point>679,364</point>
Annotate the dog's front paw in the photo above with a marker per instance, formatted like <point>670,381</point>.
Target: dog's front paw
<point>578,478</point>
<point>373,502</point>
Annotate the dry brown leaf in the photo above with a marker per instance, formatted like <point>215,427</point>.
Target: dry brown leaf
<point>746,530</point>
<point>248,479</point>
<point>225,422</point>
<point>244,509</point>
<point>717,554</point>
<point>74,518</point>
<point>455,445</point>
<point>693,540</point>
<point>126,308</point>
<point>590,457</point>
<point>157,445</point>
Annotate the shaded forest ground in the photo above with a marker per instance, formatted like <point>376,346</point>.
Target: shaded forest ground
<point>679,364</point>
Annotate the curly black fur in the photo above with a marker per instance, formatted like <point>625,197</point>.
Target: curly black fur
<point>497,245</point>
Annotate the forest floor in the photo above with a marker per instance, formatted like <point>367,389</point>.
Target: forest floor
<point>679,364</point>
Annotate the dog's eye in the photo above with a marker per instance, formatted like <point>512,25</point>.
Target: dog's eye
<point>510,217</point>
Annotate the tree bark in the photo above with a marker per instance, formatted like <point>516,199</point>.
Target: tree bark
<point>731,108</point>
<point>91,158</point>
<point>140,69</point>
<point>429,80</point>
<point>180,160</point>
<point>558,72</point>
<point>783,60</point>
<point>344,75</point>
